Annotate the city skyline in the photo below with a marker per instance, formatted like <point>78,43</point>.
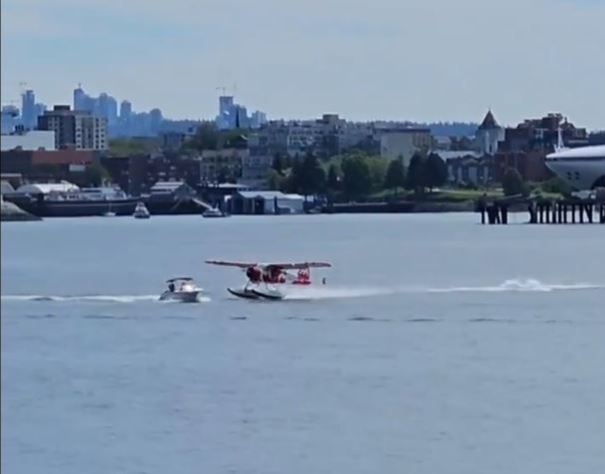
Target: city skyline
<point>420,61</point>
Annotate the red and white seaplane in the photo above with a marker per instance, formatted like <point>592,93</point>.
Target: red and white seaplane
<point>269,280</point>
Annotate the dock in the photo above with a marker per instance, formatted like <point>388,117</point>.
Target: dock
<point>545,211</point>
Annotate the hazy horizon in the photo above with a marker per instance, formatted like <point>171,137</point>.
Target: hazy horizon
<point>417,60</point>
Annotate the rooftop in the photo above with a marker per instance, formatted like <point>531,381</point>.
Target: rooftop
<point>489,122</point>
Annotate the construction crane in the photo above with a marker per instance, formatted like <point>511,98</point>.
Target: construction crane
<point>223,89</point>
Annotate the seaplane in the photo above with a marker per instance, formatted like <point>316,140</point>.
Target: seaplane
<point>269,281</point>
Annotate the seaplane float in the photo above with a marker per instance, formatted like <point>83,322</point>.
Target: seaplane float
<point>270,281</point>
<point>181,289</point>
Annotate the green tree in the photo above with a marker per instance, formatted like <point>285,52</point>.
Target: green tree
<point>333,181</point>
<point>378,170</point>
<point>436,171</point>
<point>556,185</point>
<point>307,176</point>
<point>275,181</point>
<point>96,174</point>
<point>278,163</point>
<point>356,180</point>
<point>206,138</point>
<point>512,182</point>
<point>395,176</point>
<point>416,175</point>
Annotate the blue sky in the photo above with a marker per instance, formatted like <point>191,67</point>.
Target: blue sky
<point>395,59</point>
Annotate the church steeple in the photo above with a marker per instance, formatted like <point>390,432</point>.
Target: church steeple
<point>489,122</point>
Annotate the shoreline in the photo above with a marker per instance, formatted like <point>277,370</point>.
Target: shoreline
<point>10,212</point>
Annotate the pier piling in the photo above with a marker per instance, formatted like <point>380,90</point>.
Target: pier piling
<point>542,211</point>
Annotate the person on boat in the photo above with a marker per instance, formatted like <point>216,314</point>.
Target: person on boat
<point>171,287</point>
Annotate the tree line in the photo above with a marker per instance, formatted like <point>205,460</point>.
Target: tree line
<point>357,175</point>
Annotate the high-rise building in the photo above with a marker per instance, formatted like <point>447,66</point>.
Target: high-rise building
<point>75,128</point>
<point>9,119</point>
<point>83,102</point>
<point>225,104</point>
<point>39,109</point>
<point>125,110</point>
<point>258,119</point>
<point>28,109</point>
<point>155,121</point>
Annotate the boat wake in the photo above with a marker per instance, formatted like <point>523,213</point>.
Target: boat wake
<point>90,298</point>
<point>513,285</point>
<point>325,292</point>
<point>527,285</point>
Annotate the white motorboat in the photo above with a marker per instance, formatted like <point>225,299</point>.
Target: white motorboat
<point>181,289</point>
<point>213,212</point>
<point>141,212</point>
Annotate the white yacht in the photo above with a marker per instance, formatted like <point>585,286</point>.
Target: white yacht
<point>581,168</point>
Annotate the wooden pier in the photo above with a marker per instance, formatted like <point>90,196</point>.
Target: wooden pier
<point>543,211</point>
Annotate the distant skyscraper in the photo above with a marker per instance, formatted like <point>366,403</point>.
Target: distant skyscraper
<point>125,110</point>
<point>155,121</point>
<point>112,111</point>
<point>82,101</point>
<point>39,109</point>
<point>226,112</point>
<point>225,104</point>
<point>9,119</point>
<point>79,98</point>
<point>28,108</point>
<point>258,119</point>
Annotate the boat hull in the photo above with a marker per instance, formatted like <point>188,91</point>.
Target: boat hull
<point>181,296</point>
<point>75,208</point>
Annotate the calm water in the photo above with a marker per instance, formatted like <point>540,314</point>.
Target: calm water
<point>437,346</point>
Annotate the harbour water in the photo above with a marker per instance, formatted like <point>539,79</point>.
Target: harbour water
<point>437,345</point>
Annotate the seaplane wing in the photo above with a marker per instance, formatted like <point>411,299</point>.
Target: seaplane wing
<point>282,266</point>
<point>231,264</point>
<point>298,266</point>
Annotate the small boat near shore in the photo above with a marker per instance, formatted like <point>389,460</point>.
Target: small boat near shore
<point>214,212</point>
<point>141,211</point>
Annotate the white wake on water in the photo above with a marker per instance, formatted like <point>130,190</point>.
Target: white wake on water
<point>91,298</point>
<point>328,292</point>
<point>512,285</point>
<point>526,285</point>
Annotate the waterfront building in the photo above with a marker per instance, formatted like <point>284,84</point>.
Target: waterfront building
<point>75,129</point>
<point>403,143</point>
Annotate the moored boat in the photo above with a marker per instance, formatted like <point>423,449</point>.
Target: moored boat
<point>214,212</point>
<point>140,211</point>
